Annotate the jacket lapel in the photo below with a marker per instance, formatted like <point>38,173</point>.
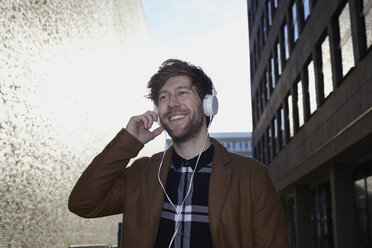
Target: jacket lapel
<point>218,186</point>
<point>155,192</point>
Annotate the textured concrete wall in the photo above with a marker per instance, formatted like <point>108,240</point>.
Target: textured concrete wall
<point>57,59</point>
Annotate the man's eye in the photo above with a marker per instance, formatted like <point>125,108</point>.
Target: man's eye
<point>162,98</point>
<point>183,92</point>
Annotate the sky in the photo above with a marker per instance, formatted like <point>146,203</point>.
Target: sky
<point>212,34</point>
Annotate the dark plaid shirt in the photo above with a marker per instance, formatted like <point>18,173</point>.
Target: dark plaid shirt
<point>193,228</point>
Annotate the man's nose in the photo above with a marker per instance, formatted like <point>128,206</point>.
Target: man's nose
<point>173,101</point>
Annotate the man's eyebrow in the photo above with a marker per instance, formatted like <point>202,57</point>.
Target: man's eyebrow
<point>178,88</point>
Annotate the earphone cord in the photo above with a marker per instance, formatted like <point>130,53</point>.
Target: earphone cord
<point>179,210</point>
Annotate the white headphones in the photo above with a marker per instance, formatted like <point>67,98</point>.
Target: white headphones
<point>210,105</point>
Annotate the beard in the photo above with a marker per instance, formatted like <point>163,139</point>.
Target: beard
<point>191,130</point>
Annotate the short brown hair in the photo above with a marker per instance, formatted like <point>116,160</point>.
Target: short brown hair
<point>174,67</point>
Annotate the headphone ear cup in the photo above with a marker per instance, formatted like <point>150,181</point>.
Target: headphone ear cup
<point>210,105</point>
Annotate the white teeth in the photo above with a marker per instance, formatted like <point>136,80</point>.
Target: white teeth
<point>176,117</point>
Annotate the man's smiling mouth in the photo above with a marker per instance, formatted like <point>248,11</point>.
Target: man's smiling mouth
<point>176,117</point>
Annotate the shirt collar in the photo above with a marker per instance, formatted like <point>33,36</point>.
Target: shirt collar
<point>205,158</point>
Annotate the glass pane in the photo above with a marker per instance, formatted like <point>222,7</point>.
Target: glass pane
<point>263,143</point>
<point>268,142</point>
<point>306,9</point>
<point>267,83</point>
<point>322,220</point>
<point>290,116</point>
<point>326,67</point>
<point>367,12</point>
<point>294,22</point>
<point>278,58</point>
<point>362,216</point>
<point>272,72</point>
<point>312,89</point>
<point>346,42</point>
<point>264,28</point>
<point>275,140</point>
<point>282,125</point>
<point>258,105</point>
<point>300,104</point>
<point>262,94</point>
<point>269,14</point>
<point>369,203</point>
<point>286,42</point>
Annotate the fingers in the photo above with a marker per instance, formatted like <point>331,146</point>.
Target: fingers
<point>148,119</point>
<point>144,121</point>
<point>157,131</point>
<point>139,126</point>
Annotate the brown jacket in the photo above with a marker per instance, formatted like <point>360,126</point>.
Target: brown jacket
<point>244,209</point>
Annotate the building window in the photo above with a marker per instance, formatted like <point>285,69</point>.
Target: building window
<point>278,58</point>
<point>300,103</point>
<point>282,135</point>
<point>326,67</point>
<point>267,85</point>
<point>290,115</point>
<point>321,216</point>
<point>254,111</point>
<point>294,22</point>
<point>255,52</point>
<point>346,41</point>
<point>306,8</point>
<point>258,105</point>
<point>363,200</point>
<point>286,42</point>
<point>269,13</point>
<point>248,145</point>
<point>311,87</point>
<point>367,13</point>
<point>363,194</point>
<point>268,144</point>
<point>289,208</point>
<point>275,135</point>
<point>264,150</point>
<point>259,42</point>
<point>264,27</point>
<point>262,89</point>
<point>273,79</point>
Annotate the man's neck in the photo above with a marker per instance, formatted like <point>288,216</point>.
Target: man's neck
<point>192,147</point>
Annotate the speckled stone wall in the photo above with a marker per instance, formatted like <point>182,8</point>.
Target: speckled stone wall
<point>57,58</point>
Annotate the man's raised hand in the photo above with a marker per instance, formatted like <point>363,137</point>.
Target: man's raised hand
<point>139,126</point>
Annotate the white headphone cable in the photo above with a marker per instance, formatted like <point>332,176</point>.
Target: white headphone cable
<point>179,211</point>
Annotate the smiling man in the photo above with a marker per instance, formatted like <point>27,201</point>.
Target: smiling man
<point>194,194</point>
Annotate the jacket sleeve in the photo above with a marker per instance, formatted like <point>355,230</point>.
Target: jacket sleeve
<point>269,223</point>
<point>100,190</point>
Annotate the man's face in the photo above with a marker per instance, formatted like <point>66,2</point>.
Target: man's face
<point>180,109</point>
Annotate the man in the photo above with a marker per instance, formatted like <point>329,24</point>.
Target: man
<point>195,194</point>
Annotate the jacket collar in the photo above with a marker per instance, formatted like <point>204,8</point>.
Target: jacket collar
<point>218,188</point>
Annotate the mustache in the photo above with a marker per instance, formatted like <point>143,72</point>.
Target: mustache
<point>177,111</point>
